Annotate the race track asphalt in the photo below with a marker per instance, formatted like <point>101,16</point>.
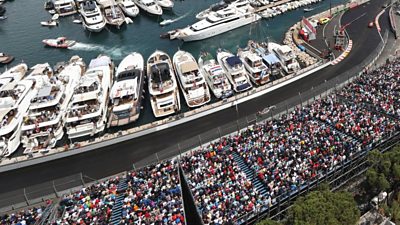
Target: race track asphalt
<point>114,159</point>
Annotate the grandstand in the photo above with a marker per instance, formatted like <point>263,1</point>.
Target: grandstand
<point>245,172</point>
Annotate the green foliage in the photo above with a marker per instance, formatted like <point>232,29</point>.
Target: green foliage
<point>269,222</point>
<point>324,207</point>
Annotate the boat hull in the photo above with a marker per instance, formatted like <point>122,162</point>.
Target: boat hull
<point>218,29</point>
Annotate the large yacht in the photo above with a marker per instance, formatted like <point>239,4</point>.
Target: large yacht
<point>113,13</point>
<point>15,96</point>
<point>129,7</point>
<point>87,111</point>
<point>192,82</point>
<point>235,71</point>
<point>149,6</point>
<point>220,6</point>
<point>286,56</point>
<point>215,76</point>
<point>258,71</point>
<point>65,7</point>
<point>43,125</point>
<point>92,18</point>
<point>217,23</point>
<point>163,87</point>
<point>126,92</point>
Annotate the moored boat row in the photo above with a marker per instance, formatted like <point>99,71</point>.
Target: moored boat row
<point>41,105</point>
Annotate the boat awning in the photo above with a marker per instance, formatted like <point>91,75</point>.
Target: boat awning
<point>233,61</point>
<point>100,61</point>
<point>285,49</point>
<point>188,66</point>
<point>270,59</point>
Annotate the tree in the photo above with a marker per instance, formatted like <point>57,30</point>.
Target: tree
<point>324,207</point>
<point>382,183</point>
<point>269,222</point>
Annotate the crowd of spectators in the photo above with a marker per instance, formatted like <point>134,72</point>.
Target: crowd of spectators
<point>23,217</point>
<point>153,196</point>
<point>220,188</point>
<point>380,89</point>
<point>90,205</point>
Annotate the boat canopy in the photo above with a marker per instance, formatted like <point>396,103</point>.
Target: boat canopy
<point>160,72</point>
<point>233,61</point>
<point>189,66</point>
<point>89,5</point>
<point>271,59</point>
<point>100,61</point>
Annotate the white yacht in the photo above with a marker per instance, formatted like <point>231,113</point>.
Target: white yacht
<point>163,87</point>
<point>92,18</point>
<point>14,74</point>
<point>65,7</point>
<point>269,59</point>
<point>168,4</point>
<point>235,71</point>
<point>149,6</point>
<point>126,92</point>
<point>15,96</point>
<point>220,6</point>
<point>112,12</point>
<point>286,56</point>
<point>129,8</point>
<point>215,76</point>
<point>192,82</point>
<point>258,71</point>
<point>43,125</point>
<point>217,23</point>
<point>87,111</point>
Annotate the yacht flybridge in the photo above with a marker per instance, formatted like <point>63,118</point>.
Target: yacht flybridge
<point>286,56</point>
<point>163,87</point>
<point>87,111</point>
<point>126,92</point>
<point>234,68</point>
<point>192,82</point>
<point>220,6</point>
<point>215,76</point>
<point>15,96</point>
<point>113,13</point>
<point>43,125</point>
<point>92,18</point>
<point>217,23</point>
<point>258,71</point>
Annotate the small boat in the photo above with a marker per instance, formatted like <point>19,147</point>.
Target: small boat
<point>166,22</point>
<point>61,42</point>
<point>308,9</point>
<point>165,3</point>
<point>50,23</point>
<point>149,6</point>
<point>5,59</point>
<point>52,11</point>
<point>129,8</point>
<point>77,21</point>
<point>3,17</point>
<point>55,16</point>
<point>113,13</point>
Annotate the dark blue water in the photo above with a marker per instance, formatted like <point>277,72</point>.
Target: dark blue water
<point>21,35</point>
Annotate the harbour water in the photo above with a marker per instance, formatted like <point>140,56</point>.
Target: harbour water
<point>21,35</point>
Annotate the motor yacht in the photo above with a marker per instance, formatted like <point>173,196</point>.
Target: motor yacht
<point>126,92</point>
<point>257,70</point>
<point>162,84</point>
<point>168,4</point>
<point>15,96</point>
<point>215,76</point>
<point>217,23</point>
<point>43,125</point>
<point>286,56</point>
<point>92,17</point>
<point>236,73</point>
<point>129,8</point>
<point>149,6</point>
<point>65,7</point>
<point>220,6</point>
<point>269,59</point>
<point>112,12</point>
<point>192,82</point>
<point>87,111</point>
